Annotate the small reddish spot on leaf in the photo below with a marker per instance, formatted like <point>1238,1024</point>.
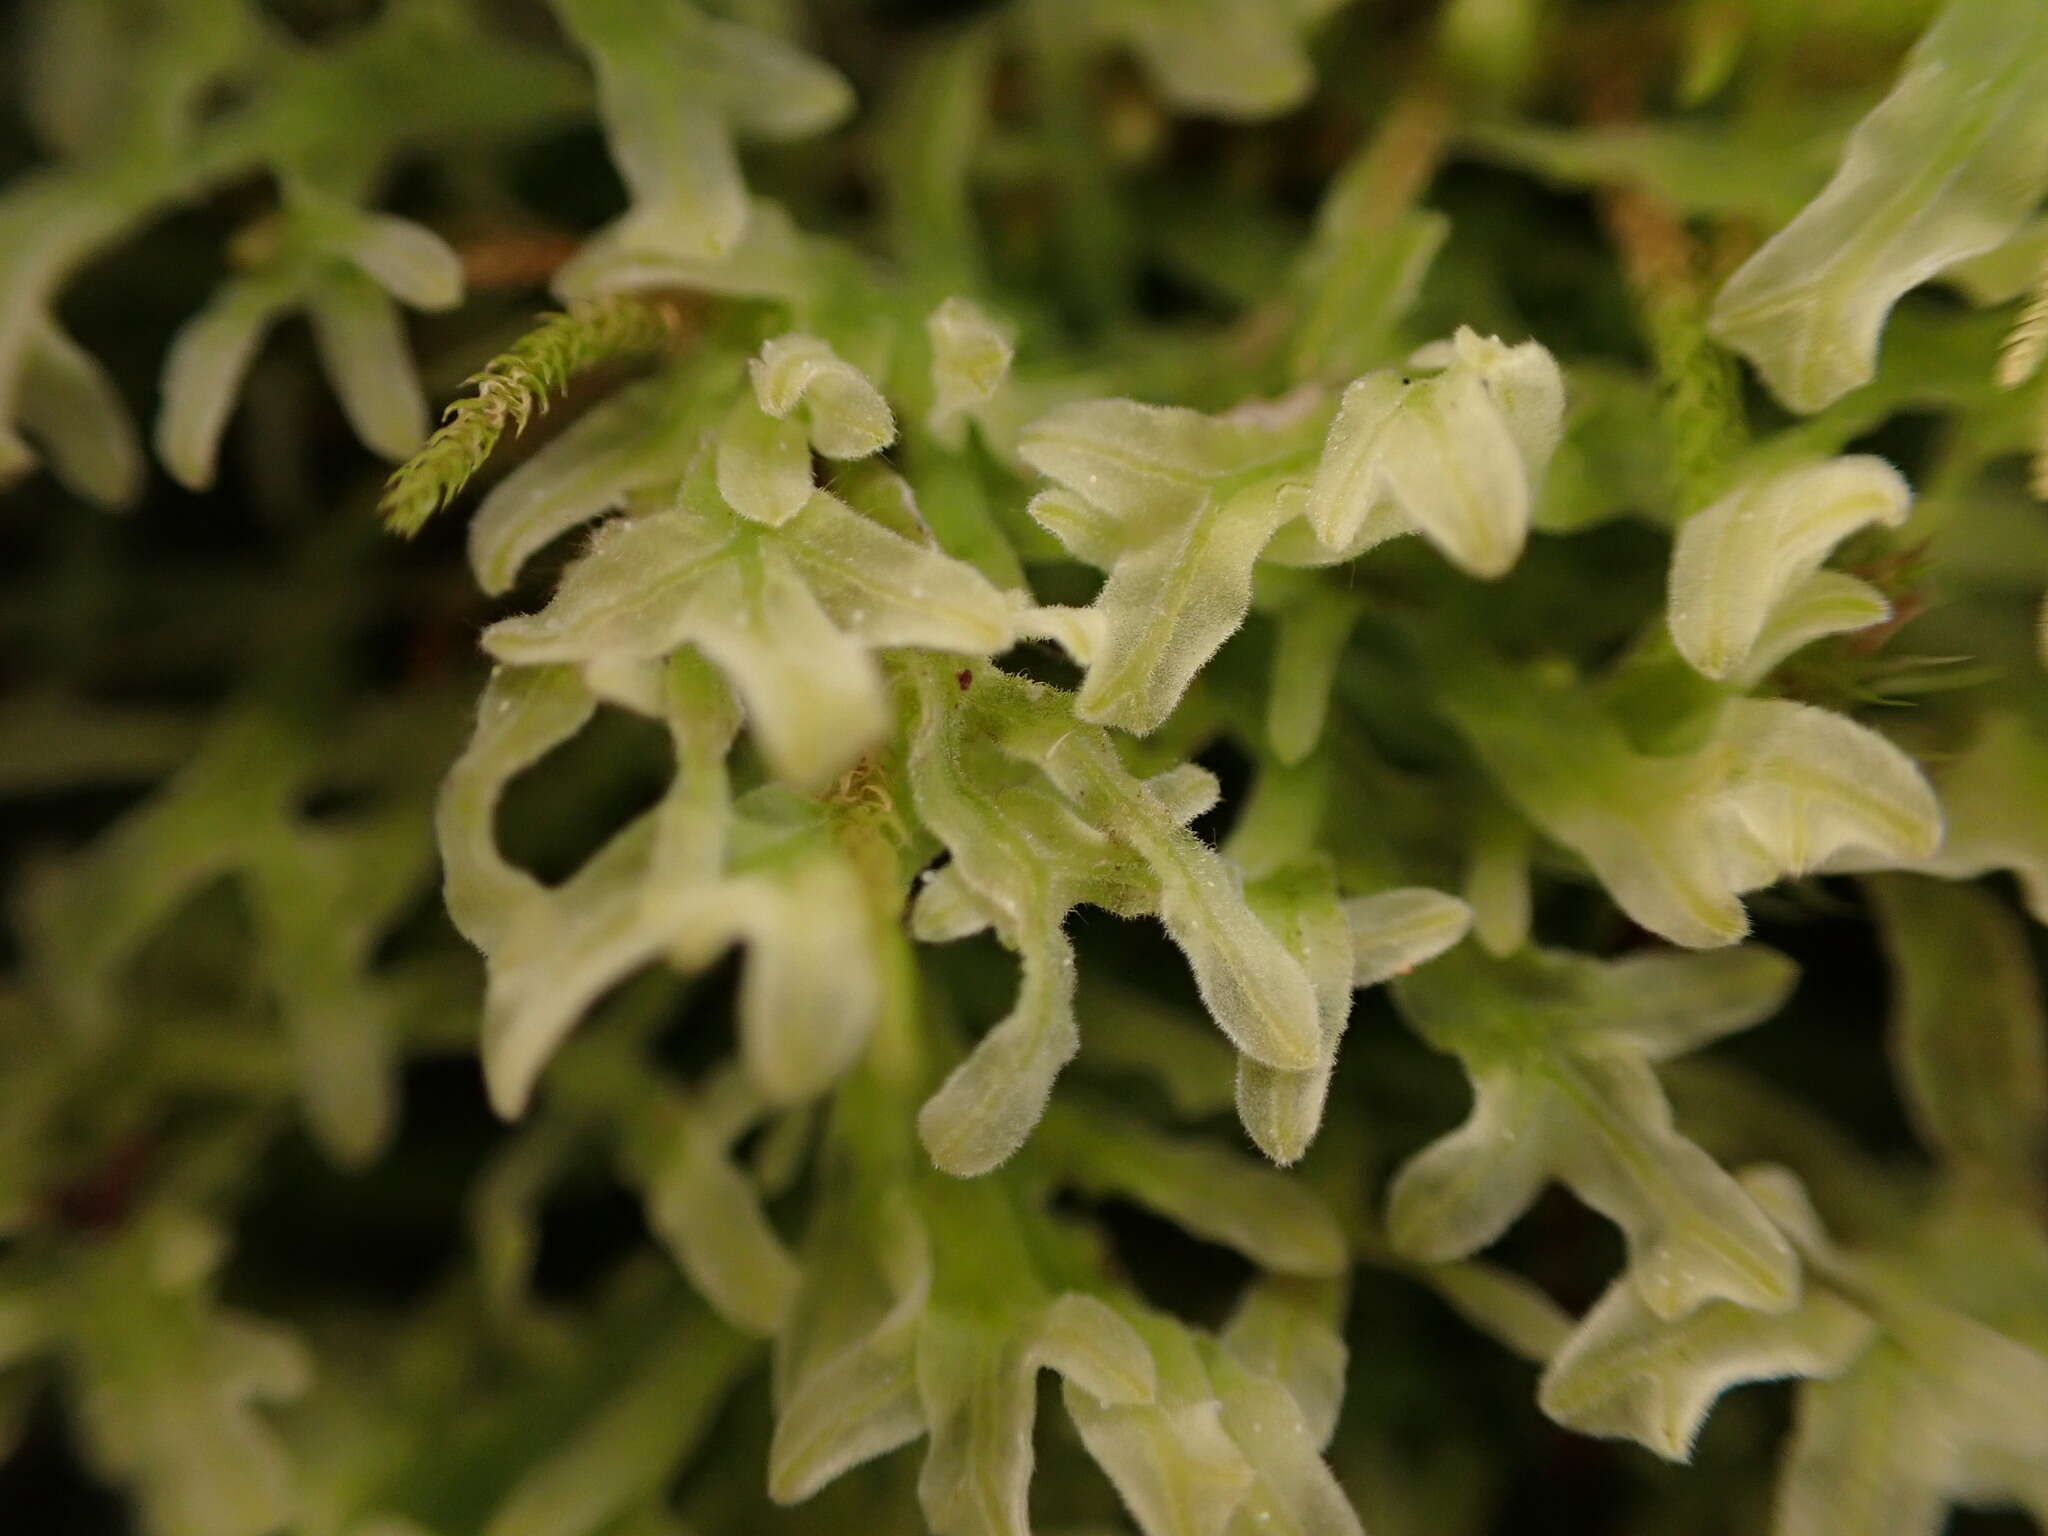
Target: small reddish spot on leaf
<point>964,678</point>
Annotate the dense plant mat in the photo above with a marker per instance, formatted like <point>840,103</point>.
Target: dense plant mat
<point>1197,766</point>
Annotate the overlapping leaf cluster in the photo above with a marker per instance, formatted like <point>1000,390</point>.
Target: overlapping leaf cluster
<point>980,593</point>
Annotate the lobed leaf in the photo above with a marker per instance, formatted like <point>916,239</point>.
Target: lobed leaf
<point>971,356</point>
<point>1176,506</point>
<point>1559,1051</point>
<point>550,953</point>
<point>1941,1409</point>
<point>1458,457</point>
<point>675,88</point>
<point>847,1383</point>
<point>1741,560</point>
<point>647,434</point>
<point>1949,165</point>
<point>1001,872</point>
<point>1287,1331</point>
<point>708,1216</point>
<point>764,465</point>
<point>1777,788</point>
<point>71,408</point>
<point>1293,1488</point>
<point>1808,786</point>
<point>1279,1110</point>
<point>1253,989</point>
<point>170,1387</point>
<point>1174,1465</point>
<point>847,416</point>
<point>812,988</point>
<point>1225,58</point>
<point>1626,1373</point>
<point>789,614</point>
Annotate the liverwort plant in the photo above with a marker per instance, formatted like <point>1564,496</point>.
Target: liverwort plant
<point>903,906</point>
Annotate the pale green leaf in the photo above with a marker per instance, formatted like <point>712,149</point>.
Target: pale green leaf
<point>1826,603</point>
<point>764,465</point>
<point>1809,786</point>
<point>1997,816</point>
<point>321,897</point>
<point>1777,789</point>
<point>1392,932</point>
<point>1969,1033</point>
<point>651,584</point>
<point>979,1393</point>
<point>1040,815</point>
<point>2005,272</point>
<point>75,414</point>
<point>1177,1470</point>
<point>674,88</point>
<point>1626,1373</point>
<point>556,957</point>
<point>408,260</point>
<point>1089,1343</point>
<point>203,373</point>
<point>1170,603</point>
<point>1516,1312</point>
<point>1219,1195</point>
<point>504,1210</point>
<point>1458,457</point>
<point>524,714</point>
<point>360,337</point>
<point>971,355</point>
<point>1764,164</point>
<point>846,414</point>
<point>1563,1087</point>
<point>1949,165</point>
<point>1141,462</point>
<point>1640,822</point>
<point>1941,1409</point>
<point>1224,58</point>
<point>1310,636</point>
<point>1361,277</point>
<point>321,902</point>
<point>709,1217</point>
<point>1254,990</point>
<point>1293,1489</point>
<point>1738,562</point>
<point>772,260</point>
<point>846,1375</point>
<point>1464,1189</point>
<point>888,590</point>
<point>551,953</point>
<point>988,1104</point>
<point>930,153</point>
<point>1497,885</point>
<point>1858,1454</point>
<point>169,1387</point>
<point>646,434</point>
<point>1281,1111</point>
<point>1287,1330</point>
<point>812,988</point>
